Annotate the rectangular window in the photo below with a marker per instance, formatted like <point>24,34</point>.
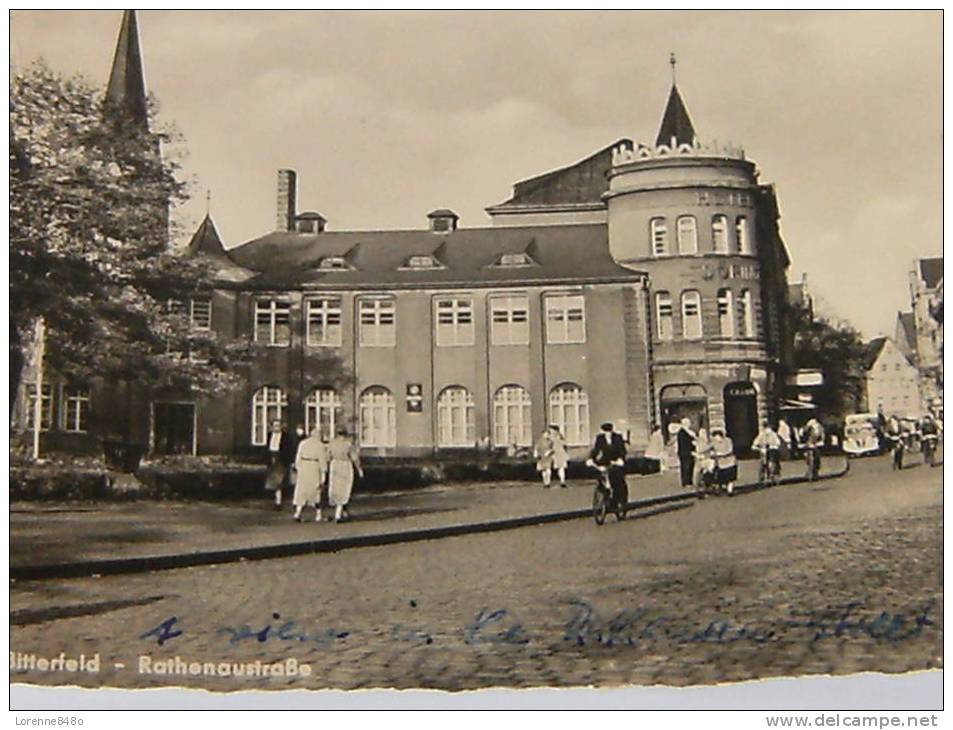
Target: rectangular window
<point>746,314</point>
<point>691,315</point>
<point>565,319</point>
<point>75,410</point>
<point>273,322</point>
<point>659,233</point>
<point>378,322</point>
<point>509,320</point>
<point>46,406</point>
<point>726,314</point>
<point>200,314</point>
<point>663,309</point>
<point>324,322</point>
<point>719,234</point>
<point>454,322</point>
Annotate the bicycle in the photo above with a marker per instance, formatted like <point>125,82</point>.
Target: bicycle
<point>770,469</point>
<point>605,500</point>
<point>812,460</point>
<point>929,442</point>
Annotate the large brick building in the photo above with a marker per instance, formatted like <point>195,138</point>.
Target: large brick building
<point>644,283</point>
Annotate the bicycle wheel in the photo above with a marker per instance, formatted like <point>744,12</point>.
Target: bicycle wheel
<point>599,506</point>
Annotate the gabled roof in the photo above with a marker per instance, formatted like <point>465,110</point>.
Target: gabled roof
<point>930,271</point>
<point>675,122</point>
<point>564,254</point>
<point>907,328</point>
<point>582,183</point>
<point>874,348</point>
<point>126,91</point>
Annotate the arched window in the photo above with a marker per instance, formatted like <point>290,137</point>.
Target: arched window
<point>455,417</point>
<point>663,315</point>
<point>726,313</point>
<point>691,315</point>
<point>746,314</point>
<point>267,405</point>
<point>511,416</point>
<point>659,233</point>
<point>687,234</point>
<point>719,234</point>
<point>569,410</point>
<point>741,232</point>
<point>322,411</point>
<point>378,417</point>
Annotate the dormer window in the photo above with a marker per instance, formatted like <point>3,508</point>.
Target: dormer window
<point>515,259</point>
<point>443,220</point>
<point>333,263</point>
<point>422,261</point>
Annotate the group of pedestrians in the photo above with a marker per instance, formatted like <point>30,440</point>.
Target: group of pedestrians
<point>705,462</point>
<point>321,472</point>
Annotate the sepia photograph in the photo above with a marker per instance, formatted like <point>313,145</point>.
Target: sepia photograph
<point>477,350</point>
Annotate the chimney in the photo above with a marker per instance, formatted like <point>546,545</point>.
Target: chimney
<point>287,195</point>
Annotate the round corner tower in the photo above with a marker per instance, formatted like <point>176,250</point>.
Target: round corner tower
<point>694,218</point>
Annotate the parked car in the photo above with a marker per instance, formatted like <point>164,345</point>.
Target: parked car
<point>860,434</point>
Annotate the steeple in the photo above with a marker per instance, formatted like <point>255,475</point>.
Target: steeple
<point>126,92</point>
<point>675,122</point>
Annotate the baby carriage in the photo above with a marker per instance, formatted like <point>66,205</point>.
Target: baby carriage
<point>706,480</point>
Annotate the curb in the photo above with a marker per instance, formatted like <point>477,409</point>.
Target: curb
<point>149,563</point>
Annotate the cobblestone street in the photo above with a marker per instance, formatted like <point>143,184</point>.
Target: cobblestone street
<point>837,577</point>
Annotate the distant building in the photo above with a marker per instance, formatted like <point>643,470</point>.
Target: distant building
<point>644,283</point>
<point>920,331</point>
<point>892,380</point>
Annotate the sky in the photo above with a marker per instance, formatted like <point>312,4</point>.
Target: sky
<point>388,115</point>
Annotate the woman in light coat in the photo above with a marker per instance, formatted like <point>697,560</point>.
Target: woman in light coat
<point>311,463</point>
<point>345,460</point>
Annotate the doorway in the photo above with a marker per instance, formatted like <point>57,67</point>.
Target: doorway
<point>683,401</point>
<point>741,414</point>
<point>173,428</point>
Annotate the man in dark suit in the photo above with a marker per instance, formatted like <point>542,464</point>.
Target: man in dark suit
<point>609,451</point>
<point>686,452</point>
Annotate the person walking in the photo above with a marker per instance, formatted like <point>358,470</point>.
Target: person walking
<point>685,439</point>
<point>560,454</point>
<point>655,451</point>
<point>311,465</point>
<point>726,466</point>
<point>543,451</point>
<point>784,435</point>
<point>281,454</point>
<point>344,461</point>
<point>704,472</point>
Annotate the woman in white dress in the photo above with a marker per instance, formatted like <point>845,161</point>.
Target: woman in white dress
<point>311,464</point>
<point>345,460</point>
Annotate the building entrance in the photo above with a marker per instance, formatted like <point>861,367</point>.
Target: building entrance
<point>683,401</point>
<point>741,414</point>
<point>173,430</point>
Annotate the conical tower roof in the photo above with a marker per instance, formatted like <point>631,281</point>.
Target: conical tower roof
<point>126,91</point>
<point>675,122</point>
<point>206,239</point>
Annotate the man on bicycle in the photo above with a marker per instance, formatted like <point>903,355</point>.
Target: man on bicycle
<point>608,451</point>
<point>893,434</point>
<point>929,435</point>
<point>768,444</point>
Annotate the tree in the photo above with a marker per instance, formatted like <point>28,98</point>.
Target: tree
<point>90,196</point>
<point>839,352</point>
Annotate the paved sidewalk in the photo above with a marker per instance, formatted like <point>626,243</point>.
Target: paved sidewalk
<point>45,534</point>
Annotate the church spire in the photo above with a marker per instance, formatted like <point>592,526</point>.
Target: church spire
<point>126,92</point>
<point>675,122</point>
